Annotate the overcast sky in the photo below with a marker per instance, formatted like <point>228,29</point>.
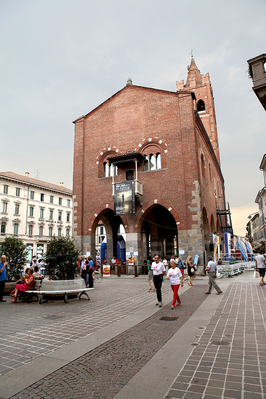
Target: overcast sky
<point>62,58</point>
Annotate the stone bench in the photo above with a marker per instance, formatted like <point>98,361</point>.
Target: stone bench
<point>60,287</point>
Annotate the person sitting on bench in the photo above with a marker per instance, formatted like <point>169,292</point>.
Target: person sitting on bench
<point>25,286</point>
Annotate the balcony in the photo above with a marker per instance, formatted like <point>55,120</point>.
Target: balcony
<point>257,71</point>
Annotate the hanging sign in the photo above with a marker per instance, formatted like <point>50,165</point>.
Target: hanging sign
<point>124,198</point>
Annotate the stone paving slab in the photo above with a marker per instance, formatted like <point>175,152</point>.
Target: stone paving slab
<point>140,299</point>
<point>104,371</point>
<point>31,331</point>
<point>229,360</point>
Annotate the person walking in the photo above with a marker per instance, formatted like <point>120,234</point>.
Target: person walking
<point>90,272</point>
<point>260,266</point>
<point>211,270</point>
<point>190,270</point>
<point>158,272</point>
<point>3,277</point>
<point>176,278</point>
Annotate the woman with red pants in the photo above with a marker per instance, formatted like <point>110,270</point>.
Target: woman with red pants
<point>175,276</point>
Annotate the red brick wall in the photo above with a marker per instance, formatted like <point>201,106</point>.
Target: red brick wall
<point>126,122</point>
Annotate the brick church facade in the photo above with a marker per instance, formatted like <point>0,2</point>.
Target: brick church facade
<point>167,143</point>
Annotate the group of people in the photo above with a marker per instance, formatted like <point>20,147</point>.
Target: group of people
<point>157,271</point>
<point>87,268</point>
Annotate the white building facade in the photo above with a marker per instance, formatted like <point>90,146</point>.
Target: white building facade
<point>34,211</point>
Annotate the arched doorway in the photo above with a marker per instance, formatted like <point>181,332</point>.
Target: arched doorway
<point>159,234</point>
<point>111,223</point>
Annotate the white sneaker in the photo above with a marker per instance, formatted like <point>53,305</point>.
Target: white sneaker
<point>160,304</point>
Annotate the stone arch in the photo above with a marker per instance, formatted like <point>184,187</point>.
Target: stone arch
<point>213,229</point>
<point>158,229</point>
<point>202,166</point>
<point>101,160</point>
<point>111,223</point>
<point>205,224</point>
<point>156,148</point>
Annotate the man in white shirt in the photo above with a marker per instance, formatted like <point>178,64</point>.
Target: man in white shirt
<point>260,266</point>
<point>158,272</point>
<point>211,269</point>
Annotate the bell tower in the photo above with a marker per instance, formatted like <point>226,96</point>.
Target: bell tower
<point>201,85</point>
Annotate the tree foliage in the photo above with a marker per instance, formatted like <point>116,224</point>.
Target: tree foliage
<point>62,258</point>
<point>15,251</point>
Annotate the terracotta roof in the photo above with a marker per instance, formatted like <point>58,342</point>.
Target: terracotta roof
<point>34,182</point>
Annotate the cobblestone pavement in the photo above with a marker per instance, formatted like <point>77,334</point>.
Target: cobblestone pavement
<point>230,360</point>
<point>30,330</point>
<point>102,372</point>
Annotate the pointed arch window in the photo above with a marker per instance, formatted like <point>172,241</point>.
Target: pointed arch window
<point>202,162</point>
<point>200,106</point>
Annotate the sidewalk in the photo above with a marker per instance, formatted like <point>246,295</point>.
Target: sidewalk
<point>105,347</point>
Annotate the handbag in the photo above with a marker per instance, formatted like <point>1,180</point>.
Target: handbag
<point>192,269</point>
<point>256,274</point>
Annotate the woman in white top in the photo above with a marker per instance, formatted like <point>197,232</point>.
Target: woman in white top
<point>158,270</point>
<point>175,276</point>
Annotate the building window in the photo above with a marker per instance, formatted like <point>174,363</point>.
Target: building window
<point>41,212</point>
<point>200,106</point>
<point>3,228</point>
<point>15,229</point>
<point>153,162</point>
<point>158,161</point>
<point>106,169</point>
<point>51,214</point>
<point>68,217</point>
<point>68,203</point>
<point>59,201</point>
<point>59,215</point>
<point>32,195</point>
<point>202,162</point>
<point>4,207</point>
<point>40,230</point>
<point>17,192</point>
<point>59,232</point>
<point>51,199</point>
<point>16,209</point>
<point>30,230</point>
<point>67,232</point>
<point>5,190</point>
<point>146,163</point>
<point>130,175</point>
<point>41,197</point>
<point>31,211</point>
<point>100,239</point>
<point>109,169</point>
<point>50,231</point>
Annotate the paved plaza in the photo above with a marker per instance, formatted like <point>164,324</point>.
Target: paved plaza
<point>120,345</point>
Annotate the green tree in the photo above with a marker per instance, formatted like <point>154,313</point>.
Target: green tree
<point>62,258</point>
<point>15,251</point>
